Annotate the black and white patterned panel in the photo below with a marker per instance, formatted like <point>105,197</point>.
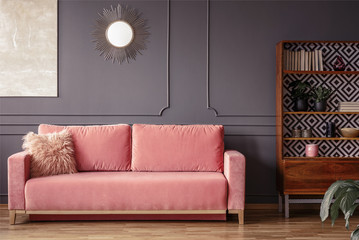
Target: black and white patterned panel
<point>345,88</point>
<point>348,51</point>
<point>334,148</point>
<point>317,122</point>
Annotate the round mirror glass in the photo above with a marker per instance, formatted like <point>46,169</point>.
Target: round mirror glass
<point>119,34</point>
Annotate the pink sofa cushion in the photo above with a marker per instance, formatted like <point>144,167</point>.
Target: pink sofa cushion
<point>128,191</point>
<point>98,148</point>
<point>177,148</point>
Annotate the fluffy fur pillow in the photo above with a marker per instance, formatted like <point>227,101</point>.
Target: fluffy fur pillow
<point>51,153</point>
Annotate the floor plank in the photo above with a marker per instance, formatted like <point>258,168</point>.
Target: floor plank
<point>259,224</point>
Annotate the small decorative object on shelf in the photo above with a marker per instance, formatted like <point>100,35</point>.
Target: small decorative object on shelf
<point>339,64</point>
<point>300,95</point>
<point>311,150</point>
<point>330,130</point>
<point>349,132</point>
<point>320,96</point>
<point>348,107</point>
<point>296,133</point>
<point>307,133</point>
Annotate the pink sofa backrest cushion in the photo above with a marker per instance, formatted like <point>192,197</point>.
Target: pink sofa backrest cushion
<point>177,148</point>
<point>98,148</point>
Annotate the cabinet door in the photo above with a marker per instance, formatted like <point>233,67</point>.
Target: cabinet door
<point>344,171</point>
<point>309,177</point>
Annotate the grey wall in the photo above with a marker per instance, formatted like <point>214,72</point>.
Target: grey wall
<point>243,35</point>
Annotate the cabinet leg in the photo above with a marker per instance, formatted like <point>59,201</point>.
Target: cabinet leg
<point>12,216</point>
<point>280,203</point>
<point>286,206</point>
<point>241,217</point>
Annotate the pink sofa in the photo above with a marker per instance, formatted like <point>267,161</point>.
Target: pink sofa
<point>155,172</point>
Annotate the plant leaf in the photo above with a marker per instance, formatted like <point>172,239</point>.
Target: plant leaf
<point>349,213</point>
<point>334,209</point>
<point>356,183</point>
<point>349,199</point>
<point>355,234</point>
<point>343,188</point>
<point>324,207</point>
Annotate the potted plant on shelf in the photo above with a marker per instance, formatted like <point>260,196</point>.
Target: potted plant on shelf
<point>345,192</point>
<point>321,95</point>
<point>300,92</point>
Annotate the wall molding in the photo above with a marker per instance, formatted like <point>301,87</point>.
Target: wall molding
<point>168,15</point>
<point>249,125</point>
<point>168,59</point>
<point>84,115</point>
<point>209,107</point>
<point>249,135</point>
<point>10,133</point>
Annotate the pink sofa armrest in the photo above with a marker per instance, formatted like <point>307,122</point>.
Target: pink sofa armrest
<point>18,174</point>
<point>235,172</point>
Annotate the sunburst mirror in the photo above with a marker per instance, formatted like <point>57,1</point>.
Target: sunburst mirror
<point>120,34</point>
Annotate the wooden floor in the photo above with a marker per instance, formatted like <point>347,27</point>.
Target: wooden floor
<point>259,224</point>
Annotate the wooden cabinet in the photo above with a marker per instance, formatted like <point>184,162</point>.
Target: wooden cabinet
<point>307,177</point>
<point>338,157</point>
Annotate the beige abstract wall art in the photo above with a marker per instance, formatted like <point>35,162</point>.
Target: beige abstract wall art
<point>28,48</point>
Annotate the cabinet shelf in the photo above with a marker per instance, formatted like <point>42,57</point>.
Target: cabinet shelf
<point>348,113</point>
<point>320,138</point>
<point>320,72</point>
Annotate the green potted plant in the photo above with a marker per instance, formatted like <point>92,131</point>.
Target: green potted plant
<point>321,95</point>
<point>345,193</point>
<point>300,92</point>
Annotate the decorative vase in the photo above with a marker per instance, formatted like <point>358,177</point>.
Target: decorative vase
<point>339,64</point>
<point>300,105</point>
<point>330,129</point>
<point>307,133</point>
<point>296,133</point>
<point>311,150</point>
<point>320,106</point>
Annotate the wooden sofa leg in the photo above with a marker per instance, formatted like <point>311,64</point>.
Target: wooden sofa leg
<point>240,214</point>
<point>12,216</point>
<point>241,217</point>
